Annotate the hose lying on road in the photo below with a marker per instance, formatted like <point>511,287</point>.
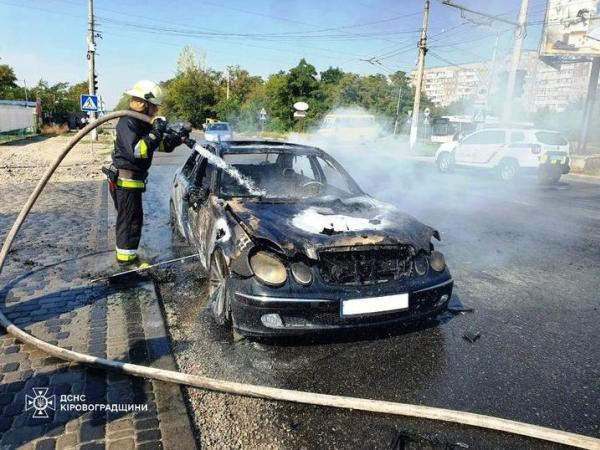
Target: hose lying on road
<point>337,401</point>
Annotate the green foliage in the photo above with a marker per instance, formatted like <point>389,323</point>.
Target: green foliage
<point>123,103</point>
<point>191,96</point>
<point>7,77</point>
<point>60,99</point>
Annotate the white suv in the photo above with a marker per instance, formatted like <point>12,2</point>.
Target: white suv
<point>509,151</point>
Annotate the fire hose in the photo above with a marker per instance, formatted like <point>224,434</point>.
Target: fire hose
<point>264,392</point>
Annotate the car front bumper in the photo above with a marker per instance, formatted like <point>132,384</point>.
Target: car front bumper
<point>271,312</point>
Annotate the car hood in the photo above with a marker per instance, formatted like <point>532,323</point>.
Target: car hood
<point>309,225</point>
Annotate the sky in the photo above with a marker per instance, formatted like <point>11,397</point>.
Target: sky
<point>46,39</point>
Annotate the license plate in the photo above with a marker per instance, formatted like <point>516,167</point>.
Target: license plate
<point>372,305</point>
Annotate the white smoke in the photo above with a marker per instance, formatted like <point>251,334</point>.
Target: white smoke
<point>243,181</point>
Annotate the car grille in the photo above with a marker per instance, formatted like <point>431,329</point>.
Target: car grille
<point>365,265</point>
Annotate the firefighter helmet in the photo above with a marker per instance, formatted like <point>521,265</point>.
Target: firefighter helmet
<point>147,90</point>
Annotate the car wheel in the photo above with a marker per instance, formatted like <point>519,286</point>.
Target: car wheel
<point>445,162</point>
<point>175,233</point>
<point>508,170</point>
<point>218,295</point>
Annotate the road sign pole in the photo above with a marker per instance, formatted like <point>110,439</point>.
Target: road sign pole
<point>91,62</point>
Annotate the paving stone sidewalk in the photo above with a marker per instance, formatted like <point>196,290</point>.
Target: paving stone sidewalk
<point>46,290</point>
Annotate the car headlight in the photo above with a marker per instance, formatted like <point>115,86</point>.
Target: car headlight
<point>268,269</point>
<point>302,273</point>
<point>421,265</point>
<point>437,261</point>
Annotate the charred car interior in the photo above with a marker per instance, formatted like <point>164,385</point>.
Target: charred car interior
<point>292,245</point>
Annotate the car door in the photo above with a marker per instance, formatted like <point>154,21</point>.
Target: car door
<point>480,147</point>
<point>181,184</point>
<point>200,212</point>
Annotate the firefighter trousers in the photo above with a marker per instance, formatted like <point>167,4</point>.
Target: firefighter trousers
<point>130,218</point>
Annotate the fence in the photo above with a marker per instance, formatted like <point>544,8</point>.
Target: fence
<point>17,120</point>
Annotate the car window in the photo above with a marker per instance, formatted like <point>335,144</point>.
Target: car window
<point>218,127</point>
<point>517,136</point>
<point>189,165</point>
<point>485,137</point>
<point>199,178</point>
<point>333,177</point>
<point>285,175</point>
<point>550,138</point>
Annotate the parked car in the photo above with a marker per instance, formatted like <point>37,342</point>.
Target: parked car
<point>292,245</point>
<point>218,131</point>
<point>509,152</point>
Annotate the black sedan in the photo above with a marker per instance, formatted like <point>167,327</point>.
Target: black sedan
<point>292,244</point>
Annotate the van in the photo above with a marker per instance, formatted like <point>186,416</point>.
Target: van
<point>349,127</point>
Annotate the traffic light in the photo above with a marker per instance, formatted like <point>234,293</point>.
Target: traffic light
<point>95,83</point>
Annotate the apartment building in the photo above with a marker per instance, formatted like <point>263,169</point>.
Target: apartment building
<point>540,86</point>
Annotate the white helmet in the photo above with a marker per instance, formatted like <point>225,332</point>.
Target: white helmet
<point>147,90</point>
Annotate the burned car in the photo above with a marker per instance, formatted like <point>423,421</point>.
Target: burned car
<point>293,245</point>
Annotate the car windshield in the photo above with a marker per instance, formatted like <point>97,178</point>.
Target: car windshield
<point>218,127</point>
<point>550,138</point>
<point>288,175</point>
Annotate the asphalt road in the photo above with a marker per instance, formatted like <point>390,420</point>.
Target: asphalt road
<point>525,257</point>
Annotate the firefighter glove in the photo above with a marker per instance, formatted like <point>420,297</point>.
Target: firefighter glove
<point>159,126</point>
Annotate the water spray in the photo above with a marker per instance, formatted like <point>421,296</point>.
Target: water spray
<point>309,398</point>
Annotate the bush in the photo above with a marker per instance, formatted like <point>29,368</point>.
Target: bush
<point>55,130</point>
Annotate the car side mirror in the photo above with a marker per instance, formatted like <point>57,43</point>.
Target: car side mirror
<point>196,196</point>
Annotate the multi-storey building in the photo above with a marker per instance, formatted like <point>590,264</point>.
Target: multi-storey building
<point>540,86</point>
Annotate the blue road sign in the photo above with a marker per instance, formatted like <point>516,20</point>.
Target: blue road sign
<point>89,102</point>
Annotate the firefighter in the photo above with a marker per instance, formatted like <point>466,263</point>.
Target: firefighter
<point>135,144</point>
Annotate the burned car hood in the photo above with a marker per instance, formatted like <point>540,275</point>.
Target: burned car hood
<point>308,225</point>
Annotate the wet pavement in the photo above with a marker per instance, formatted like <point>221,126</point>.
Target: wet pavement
<point>525,257</point>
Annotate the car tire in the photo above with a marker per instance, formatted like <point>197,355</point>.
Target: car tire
<point>218,292</point>
<point>508,169</point>
<point>445,162</point>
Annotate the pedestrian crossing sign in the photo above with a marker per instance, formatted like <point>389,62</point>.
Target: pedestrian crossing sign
<point>89,102</point>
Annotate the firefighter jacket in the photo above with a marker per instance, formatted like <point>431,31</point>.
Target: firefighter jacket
<point>135,145</point>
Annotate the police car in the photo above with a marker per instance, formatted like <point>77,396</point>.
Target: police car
<point>509,152</point>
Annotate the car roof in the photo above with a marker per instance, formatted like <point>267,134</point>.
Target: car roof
<point>261,145</point>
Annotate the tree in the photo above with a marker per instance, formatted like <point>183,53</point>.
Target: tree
<point>123,103</point>
<point>191,96</point>
<point>241,83</point>
<point>7,77</point>
<point>277,101</point>
<point>332,76</point>
<point>187,60</point>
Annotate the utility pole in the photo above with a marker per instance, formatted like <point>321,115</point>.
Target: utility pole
<point>91,52</point>
<point>589,104</point>
<point>492,71</point>
<point>397,110</point>
<point>419,81</point>
<point>228,75</point>
<point>516,57</point>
